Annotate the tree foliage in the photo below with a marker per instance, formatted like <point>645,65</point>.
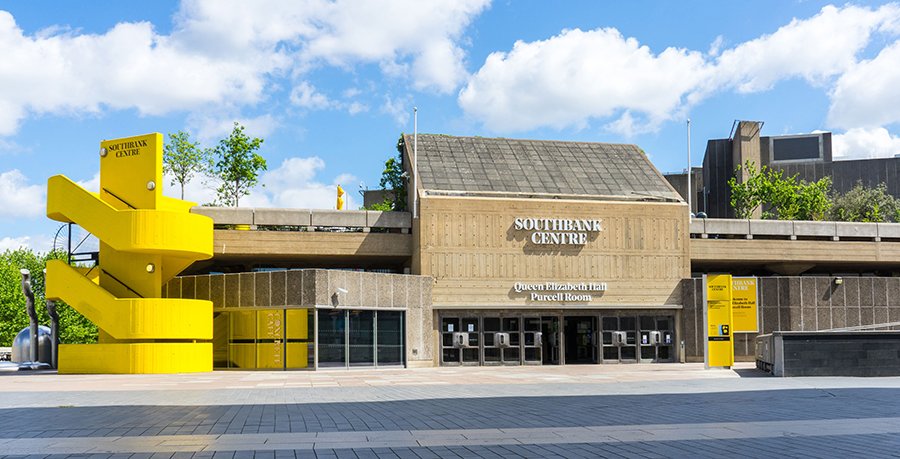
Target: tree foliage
<point>236,165</point>
<point>73,327</point>
<point>784,198</point>
<point>393,183</point>
<point>182,159</point>
<point>863,204</point>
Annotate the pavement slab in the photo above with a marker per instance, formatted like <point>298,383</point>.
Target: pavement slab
<point>643,411</point>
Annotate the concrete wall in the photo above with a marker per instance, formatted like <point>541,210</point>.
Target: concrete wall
<point>317,287</point>
<point>679,182</point>
<point>832,353</point>
<point>799,304</point>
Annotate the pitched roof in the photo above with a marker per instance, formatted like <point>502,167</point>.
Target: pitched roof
<point>477,164</point>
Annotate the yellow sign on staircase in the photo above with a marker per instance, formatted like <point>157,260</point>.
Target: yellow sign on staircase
<point>146,239</point>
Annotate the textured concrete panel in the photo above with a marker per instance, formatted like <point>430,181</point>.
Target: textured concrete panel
<point>368,289</point>
<point>347,218</point>
<point>217,290</point>
<point>771,227</point>
<point>247,290</point>
<point>879,291</point>
<point>866,290</point>
<point>232,285</point>
<point>853,229</point>
<point>226,215</point>
<point>281,217</point>
<point>173,289</point>
<point>808,293</point>
<point>375,219</point>
<point>278,293</point>
<point>201,287</point>
<point>727,226</point>
<point>263,286</point>
<point>805,228</point>
<point>294,289</point>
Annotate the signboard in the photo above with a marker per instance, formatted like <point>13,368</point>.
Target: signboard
<point>718,323</point>
<point>744,305</point>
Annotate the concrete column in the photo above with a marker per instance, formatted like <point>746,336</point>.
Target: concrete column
<point>745,146</point>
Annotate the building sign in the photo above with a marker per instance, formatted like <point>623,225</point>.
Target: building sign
<point>744,303</point>
<point>557,231</point>
<point>719,347</point>
<point>556,292</point>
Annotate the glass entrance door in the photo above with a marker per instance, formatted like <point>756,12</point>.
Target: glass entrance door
<point>550,337</point>
<point>460,341</point>
<point>580,339</point>
<point>646,338</point>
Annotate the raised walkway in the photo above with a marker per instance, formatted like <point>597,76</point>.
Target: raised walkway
<point>645,411</point>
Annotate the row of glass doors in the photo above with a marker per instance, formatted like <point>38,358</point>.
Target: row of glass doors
<point>523,339</point>
<point>308,338</point>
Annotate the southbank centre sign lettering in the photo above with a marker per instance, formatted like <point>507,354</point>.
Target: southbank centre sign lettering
<point>557,231</point>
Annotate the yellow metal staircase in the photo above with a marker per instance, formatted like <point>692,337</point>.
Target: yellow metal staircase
<point>145,240</point>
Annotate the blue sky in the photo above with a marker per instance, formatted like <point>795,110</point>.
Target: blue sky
<point>330,85</point>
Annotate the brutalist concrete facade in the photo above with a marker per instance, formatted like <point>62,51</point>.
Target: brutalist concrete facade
<point>799,304</point>
<point>320,288</point>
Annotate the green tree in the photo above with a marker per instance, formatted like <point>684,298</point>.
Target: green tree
<point>786,198</point>
<point>73,327</point>
<point>863,204</point>
<point>183,159</point>
<point>237,165</point>
<point>394,182</point>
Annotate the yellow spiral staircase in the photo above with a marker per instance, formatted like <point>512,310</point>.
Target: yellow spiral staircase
<point>146,239</point>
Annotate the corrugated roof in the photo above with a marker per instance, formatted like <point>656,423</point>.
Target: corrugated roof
<point>478,164</point>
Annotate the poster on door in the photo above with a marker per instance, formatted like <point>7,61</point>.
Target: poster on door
<point>744,309</point>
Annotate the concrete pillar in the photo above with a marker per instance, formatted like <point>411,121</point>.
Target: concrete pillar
<point>745,146</point>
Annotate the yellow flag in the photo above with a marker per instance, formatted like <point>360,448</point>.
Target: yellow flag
<point>340,201</point>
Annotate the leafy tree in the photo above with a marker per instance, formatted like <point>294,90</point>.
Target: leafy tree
<point>183,159</point>
<point>237,165</point>
<point>787,198</point>
<point>73,327</point>
<point>393,183</point>
<point>863,204</point>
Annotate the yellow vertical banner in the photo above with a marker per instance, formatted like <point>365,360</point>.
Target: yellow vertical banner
<point>744,305</point>
<point>719,346</point>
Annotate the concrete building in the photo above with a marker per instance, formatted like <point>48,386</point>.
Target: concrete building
<point>522,252</point>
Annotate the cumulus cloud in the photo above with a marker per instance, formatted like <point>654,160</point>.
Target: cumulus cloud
<point>293,185</point>
<point>868,94</point>
<point>224,54</point>
<point>859,143</point>
<point>39,243</point>
<point>305,95</point>
<point>578,76</point>
<point>18,198</point>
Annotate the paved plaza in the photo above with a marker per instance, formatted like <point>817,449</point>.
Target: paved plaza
<point>639,411</point>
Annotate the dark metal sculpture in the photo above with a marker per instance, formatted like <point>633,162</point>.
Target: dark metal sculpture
<point>34,336</point>
<point>54,329</point>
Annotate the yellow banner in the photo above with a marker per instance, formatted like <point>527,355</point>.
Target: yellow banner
<point>720,349</point>
<point>744,305</point>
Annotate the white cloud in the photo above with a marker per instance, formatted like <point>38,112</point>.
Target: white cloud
<point>567,79</point>
<point>396,107</point>
<point>18,198</point>
<point>868,95</point>
<point>305,95</point>
<point>293,185</point>
<point>858,143</point>
<point>91,185</point>
<point>212,128</point>
<point>224,55</point>
<point>578,76</point>
<point>39,243</point>
<point>356,107</point>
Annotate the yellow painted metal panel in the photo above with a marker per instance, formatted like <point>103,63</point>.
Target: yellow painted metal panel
<point>297,355</point>
<point>720,346</point>
<point>297,324</point>
<point>270,338</point>
<point>135,358</point>
<point>744,307</point>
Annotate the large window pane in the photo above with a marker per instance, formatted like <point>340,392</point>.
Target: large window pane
<point>362,338</point>
<point>332,338</point>
<point>220,340</point>
<point>390,338</point>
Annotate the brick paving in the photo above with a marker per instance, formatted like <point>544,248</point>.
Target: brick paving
<point>640,411</point>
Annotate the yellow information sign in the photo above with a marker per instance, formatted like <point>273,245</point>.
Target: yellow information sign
<point>719,346</point>
<point>744,303</point>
